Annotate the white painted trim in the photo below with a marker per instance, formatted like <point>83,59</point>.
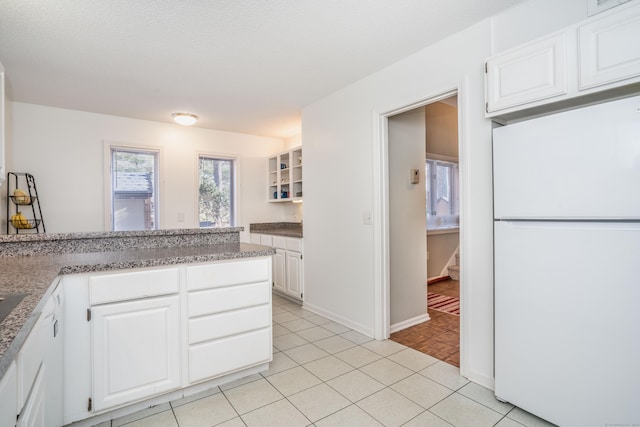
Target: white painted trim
<point>434,156</point>
<point>108,145</point>
<point>434,232</point>
<point>380,144</point>
<point>452,260</point>
<point>381,278</point>
<point>237,183</point>
<point>409,322</point>
<point>339,319</point>
<point>464,241</point>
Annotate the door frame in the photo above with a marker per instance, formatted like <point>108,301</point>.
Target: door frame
<point>382,282</point>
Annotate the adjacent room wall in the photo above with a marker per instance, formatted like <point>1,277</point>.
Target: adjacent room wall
<point>64,150</point>
<point>441,121</point>
<point>407,220</point>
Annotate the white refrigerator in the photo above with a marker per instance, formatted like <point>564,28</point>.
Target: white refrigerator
<point>567,265</point>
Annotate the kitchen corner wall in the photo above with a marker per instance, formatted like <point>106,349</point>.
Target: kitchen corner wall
<point>341,151</point>
<point>64,150</point>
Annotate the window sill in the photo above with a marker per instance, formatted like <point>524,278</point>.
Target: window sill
<point>443,231</point>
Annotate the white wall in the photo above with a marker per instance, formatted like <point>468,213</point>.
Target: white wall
<point>407,220</point>
<point>64,150</point>
<point>339,132</point>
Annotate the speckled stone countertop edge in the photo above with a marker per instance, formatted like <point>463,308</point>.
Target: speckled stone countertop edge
<point>31,237</point>
<point>15,328</point>
<point>286,229</point>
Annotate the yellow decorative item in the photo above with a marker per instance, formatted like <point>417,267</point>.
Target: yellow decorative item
<point>20,221</point>
<point>21,197</point>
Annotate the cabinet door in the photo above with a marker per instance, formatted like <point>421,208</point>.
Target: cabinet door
<point>9,396</point>
<point>294,274</point>
<point>136,350</point>
<point>33,412</point>
<point>610,48</point>
<point>529,73</point>
<point>279,270</point>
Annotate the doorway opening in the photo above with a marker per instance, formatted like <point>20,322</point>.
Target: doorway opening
<point>424,237</point>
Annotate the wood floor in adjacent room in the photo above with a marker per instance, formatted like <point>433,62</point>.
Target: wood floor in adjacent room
<point>440,336</point>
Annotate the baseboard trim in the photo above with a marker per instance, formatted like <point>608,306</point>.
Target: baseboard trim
<point>437,279</point>
<point>338,319</point>
<point>409,322</point>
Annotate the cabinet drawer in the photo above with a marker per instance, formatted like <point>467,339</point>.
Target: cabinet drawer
<point>132,285</point>
<point>230,298</point>
<point>230,354</point>
<point>229,323</point>
<point>279,242</point>
<point>265,240</point>
<point>294,245</point>
<point>228,273</point>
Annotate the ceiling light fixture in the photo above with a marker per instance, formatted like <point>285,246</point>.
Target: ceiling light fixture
<point>184,119</point>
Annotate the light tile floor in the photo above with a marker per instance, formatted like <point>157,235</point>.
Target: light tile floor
<point>325,374</point>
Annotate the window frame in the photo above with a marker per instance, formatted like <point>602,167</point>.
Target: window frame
<point>109,147</point>
<point>434,159</point>
<point>235,185</point>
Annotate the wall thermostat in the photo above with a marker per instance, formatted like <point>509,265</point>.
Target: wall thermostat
<point>415,176</point>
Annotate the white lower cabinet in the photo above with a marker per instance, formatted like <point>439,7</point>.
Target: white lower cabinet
<point>288,266</point>
<point>38,369</point>
<point>135,335</point>
<point>294,274</point>
<point>229,321</point>
<point>136,350</point>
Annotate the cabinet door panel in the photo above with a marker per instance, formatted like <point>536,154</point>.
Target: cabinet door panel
<point>610,48</point>
<point>31,354</point>
<point>279,270</point>
<point>9,396</point>
<point>229,323</point>
<point>229,354</point>
<point>136,350</point>
<point>227,273</point>
<point>230,298</point>
<point>294,274</point>
<point>530,73</point>
<point>33,412</point>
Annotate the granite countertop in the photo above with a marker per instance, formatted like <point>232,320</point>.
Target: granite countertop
<point>286,229</point>
<point>34,275</point>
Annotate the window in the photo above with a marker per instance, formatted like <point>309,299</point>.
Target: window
<point>442,194</point>
<point>216,192</point>
<point>134,189</point>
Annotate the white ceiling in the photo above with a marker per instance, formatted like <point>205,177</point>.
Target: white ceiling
<point>244,66</point>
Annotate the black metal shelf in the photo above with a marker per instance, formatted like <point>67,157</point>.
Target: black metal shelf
<point>30,203</point>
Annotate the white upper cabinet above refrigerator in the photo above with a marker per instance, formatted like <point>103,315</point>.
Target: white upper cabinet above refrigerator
<point>592,60</point>
<point>579,164</point>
